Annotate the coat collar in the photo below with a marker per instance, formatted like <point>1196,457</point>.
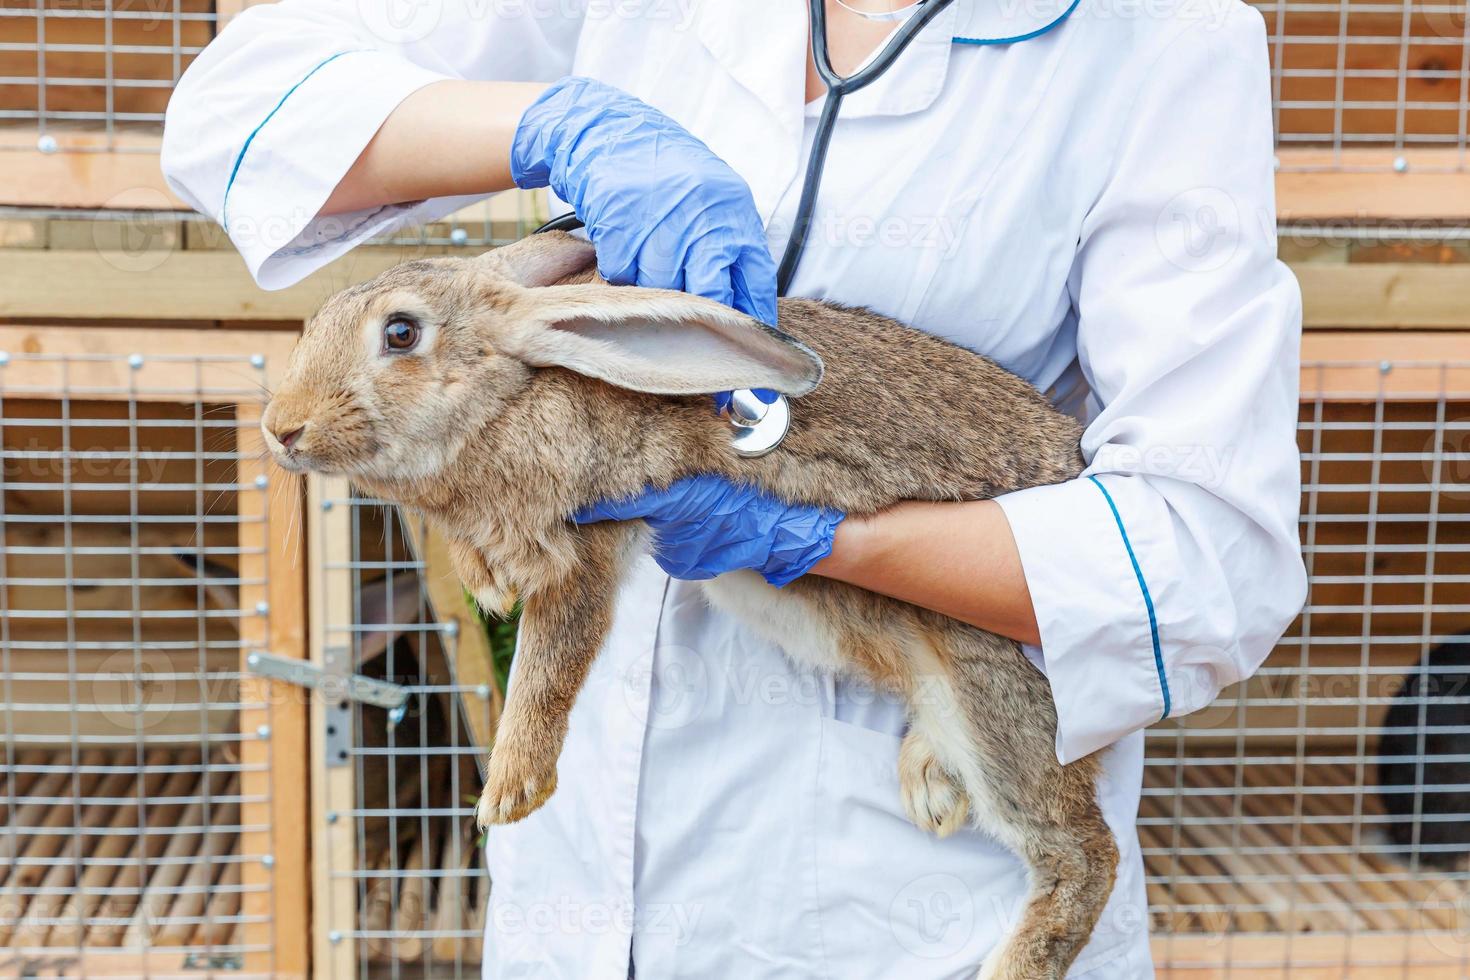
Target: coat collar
<point>762,44</point>
<point>1008,21</point>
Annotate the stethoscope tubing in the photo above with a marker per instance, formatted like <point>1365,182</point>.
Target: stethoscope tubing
<point>838,86</point>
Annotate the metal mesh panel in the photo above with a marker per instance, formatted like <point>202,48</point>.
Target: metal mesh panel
<point>1319,814</point>
<point>420,892</point>
<point>1364,74</point>
<point>1346,73</point>
<point>126,789</point>
<point>104,66</point>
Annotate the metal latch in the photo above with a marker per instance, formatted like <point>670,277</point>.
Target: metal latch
<point>340,686</point>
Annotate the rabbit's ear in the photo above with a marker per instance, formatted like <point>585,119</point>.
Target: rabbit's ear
<point>542,260</point>
<point>657,340</point>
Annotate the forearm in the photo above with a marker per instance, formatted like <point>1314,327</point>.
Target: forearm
<point>958,559</point>
<point>445,139</point>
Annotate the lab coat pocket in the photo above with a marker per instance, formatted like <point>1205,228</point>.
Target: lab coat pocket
<point>893,900</point>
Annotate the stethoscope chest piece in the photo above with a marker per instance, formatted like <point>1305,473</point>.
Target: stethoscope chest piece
<point>759,428</point>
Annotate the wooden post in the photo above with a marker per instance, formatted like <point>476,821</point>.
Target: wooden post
<point>467,650</point>
<point>274,746</point>
<point>334,845</point>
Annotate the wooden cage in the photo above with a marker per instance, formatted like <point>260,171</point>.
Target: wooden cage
<point>169,811</point>
<point>155,822</point>
<point>1264,821</point>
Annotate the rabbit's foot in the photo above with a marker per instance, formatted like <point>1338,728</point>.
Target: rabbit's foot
<point>934,799</point>
<point>516,784</point>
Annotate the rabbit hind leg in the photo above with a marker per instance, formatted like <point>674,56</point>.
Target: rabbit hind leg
<point>1045,812</point>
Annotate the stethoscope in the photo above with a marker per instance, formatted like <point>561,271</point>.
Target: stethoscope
<point>759,427</point>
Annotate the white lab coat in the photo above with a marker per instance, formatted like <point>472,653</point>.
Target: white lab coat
<point>1092,207</point>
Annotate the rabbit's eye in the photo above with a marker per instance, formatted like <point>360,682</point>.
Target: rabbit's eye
<point>400,334</point>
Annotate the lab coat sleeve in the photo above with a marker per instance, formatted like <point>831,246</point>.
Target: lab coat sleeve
<point>1169,570</point>
<point>272,114</point>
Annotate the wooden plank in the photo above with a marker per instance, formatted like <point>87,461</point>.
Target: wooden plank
<point>1361,186</point>
<point>84,173</point>
<point>226,372</point>
<point>275,769</point>
<point>228,10</point>
<point>468,649</point>
<point>1312,184</point>
<point>1384,294</point>
<point>1329,956</point>
<point>101,872</point>
<point>1345,364</point>
<point>58,888</point>
<point>185,854</point>
<point>179,285</point>
<point>334,843</point>
<point>212,285</point>
<point>131,879</point>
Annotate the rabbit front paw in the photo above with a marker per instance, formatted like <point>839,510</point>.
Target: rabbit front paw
<point>516,784</point>
<point>933,799</point>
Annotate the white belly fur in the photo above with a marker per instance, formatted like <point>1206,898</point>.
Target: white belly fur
<point>779,617</point>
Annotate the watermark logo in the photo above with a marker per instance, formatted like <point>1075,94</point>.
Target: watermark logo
<point>400,21</point>
<point>1198,230</point>
<point>933,916</point>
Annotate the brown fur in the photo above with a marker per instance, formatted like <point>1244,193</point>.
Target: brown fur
<point>497,446</point>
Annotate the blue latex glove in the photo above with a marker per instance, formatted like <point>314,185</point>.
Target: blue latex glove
<point>705,526</point>
<point>660,207</point>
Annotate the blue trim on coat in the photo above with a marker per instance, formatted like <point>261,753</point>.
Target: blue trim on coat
<point>1019,37</point>
<point>1148,602</point>
<point>234,171</point>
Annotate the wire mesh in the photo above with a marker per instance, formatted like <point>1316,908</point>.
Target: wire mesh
<point>1318,815</point>
<point>421,892</point>
<point>1346,74</point>
<point>125,794</point>
<point>94,66</point>
<point>1354,74</point>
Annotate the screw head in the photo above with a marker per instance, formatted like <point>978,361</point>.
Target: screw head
<point>1384,367</point>
<point>326,505</point>
<point>1400,165</point>
<point>264,731</point>
<point>334,936</point>
<point>253,660</point>
<point>262,481</point>
<point>1275,163</point>
<point>331,816</point>
<point>268,860</point>
<point>482,691</point>
<point>262,607</point>
<point>4,357</point>
<point>451,628</point>
<point>135,361</point>
<point>257,361</point>
<point>47,144</point>
<point>458,236</point>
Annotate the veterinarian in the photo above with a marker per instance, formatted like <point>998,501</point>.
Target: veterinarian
<point>1084,194</point>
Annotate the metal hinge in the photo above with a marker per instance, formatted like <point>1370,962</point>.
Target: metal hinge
<point>340,687</point>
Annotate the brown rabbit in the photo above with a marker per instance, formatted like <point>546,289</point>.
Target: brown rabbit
<point>499,394</point>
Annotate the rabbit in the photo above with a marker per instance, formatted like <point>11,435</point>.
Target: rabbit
<point>531,388</point>
<point>1429,722</point>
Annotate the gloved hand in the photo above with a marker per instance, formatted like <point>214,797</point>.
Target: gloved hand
<point>660,207</point>
<point>705,526</point>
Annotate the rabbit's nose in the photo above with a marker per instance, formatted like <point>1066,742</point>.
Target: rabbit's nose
<point>286,438</point>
